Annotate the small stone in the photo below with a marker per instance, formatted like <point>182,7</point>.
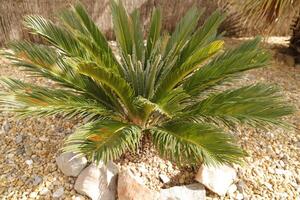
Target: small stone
<point>19,139</point>
<point>241,186</point>
<point>191,192</point>
<point>269,186</point>
<point>78,197</point>
<point>38,145</point>
<point>217,179</point>
<point>282,172</point>
<point>33,195</point>
<point>29,162</point>
<point>44,139</point>
<point>37,180</point>
<point>71,164</point>
<point>58,193</point>
<point>164,178</point>
<point>271,170</point>
<point>5,126</point>
<point>28,150</point>
<point>44,191</point>
<point>239,196</point>
<point>143,169</point>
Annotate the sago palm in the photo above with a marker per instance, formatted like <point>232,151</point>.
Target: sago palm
<point>166,87</point>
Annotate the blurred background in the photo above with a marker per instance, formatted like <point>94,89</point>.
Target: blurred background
<point>244,17</point>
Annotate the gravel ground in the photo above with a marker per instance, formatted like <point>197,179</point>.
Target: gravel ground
<point>272,171</point>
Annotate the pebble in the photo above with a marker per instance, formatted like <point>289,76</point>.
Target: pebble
<point>5,126</point>
<point>44,139</point>
<point>29,162</point>
<point>33,195</point>
<point>58,193</point>
<point>37,180</point>
<point>44,191</point>
<point>19,139</point>
<point>239,196</point>
<point>38,145</point>
<point>164,178</point>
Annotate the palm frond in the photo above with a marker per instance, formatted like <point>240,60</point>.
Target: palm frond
<point>245,57</point>
<point>55,34</point>
<point>185,142</point>
<point>177,75</point>
<point>29,100</point>
<point>45,61</point>
<point>104,140</point>
<point>154,32</point>
<point>257,105</point>
<point>85,31</point>
<point>123,27</point>
<point>116,83</point>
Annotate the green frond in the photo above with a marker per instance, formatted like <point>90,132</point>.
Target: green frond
<point>123,27</point>
<point>29,100</point>
<point>138,38</point>
<point>177,75</point>
<point>174,102</point>
<point>257,105</point>
<point>154,32</point>
<point>56,35</point>
<point>41,60</point>
<point>183,30</point>
<point>111,80</point>
<point>203,36</point>
<point>104,140</point>
<point>245,57</point>
<point>85,31</point>
<point>184,142</point>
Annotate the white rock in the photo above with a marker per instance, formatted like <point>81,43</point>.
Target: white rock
<point>37,180</point>
<point>98,182</point>
<point>44,139</point>
<point>29,162</point>
<point>164,178</point>
<point>239,196</point>
<point>19,139</point>
<point>191,192</point>
<point>217,179</point>
<point>44,191</point>
<point>77,197</point>
<point>130,188</point>
<point>58,193</point>
<point>71,164</point>
<point>33,195</point>
<point>5,126</point>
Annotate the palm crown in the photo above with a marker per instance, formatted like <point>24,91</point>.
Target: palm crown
<point>166,88</point>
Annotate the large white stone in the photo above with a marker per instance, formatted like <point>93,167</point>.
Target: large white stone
<point>98,182</point>
<point>191,192</point>
<point>217,179</point>
<point>71,164</point>
<point>132,188</point>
